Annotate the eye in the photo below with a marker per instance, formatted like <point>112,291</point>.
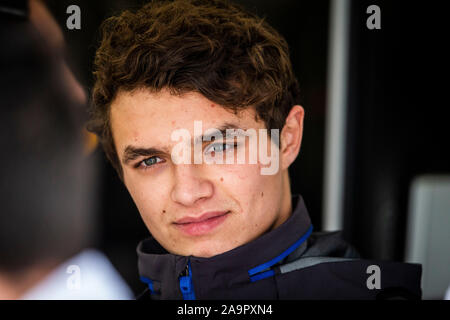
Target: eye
<point>220,147</point>
<point>149,162</point>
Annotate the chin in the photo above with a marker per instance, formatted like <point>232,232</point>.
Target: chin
<point>204,253</point>
<point>207,251</point>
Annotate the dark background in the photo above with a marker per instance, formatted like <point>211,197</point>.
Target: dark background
<point>398,126</point>
<point>396,120</point>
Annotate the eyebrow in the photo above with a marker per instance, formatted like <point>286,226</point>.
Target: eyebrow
<point>222,130</point>
<point>132,152</point>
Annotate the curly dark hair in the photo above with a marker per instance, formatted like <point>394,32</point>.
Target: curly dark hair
<point>213,47</point>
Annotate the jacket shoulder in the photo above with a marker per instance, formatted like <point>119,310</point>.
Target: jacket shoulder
<point>330,244</point>
<point>328,267</point>
<point>352,279</point>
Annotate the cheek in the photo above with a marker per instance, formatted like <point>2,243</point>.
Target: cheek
<point>247,186</point>
<point>148,199</point>
<point>256,194</point>
<point>247,179</point>
<point>240,179</point>
<point>146,196</point>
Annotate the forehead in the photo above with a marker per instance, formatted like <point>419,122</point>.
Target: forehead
<point>142,117</point>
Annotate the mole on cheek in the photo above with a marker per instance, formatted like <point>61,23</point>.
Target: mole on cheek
<point>164,211</point>
<point>262,194</point>
<point>221,178</point>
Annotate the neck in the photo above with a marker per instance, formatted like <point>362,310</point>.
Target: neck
<point>286,202</point>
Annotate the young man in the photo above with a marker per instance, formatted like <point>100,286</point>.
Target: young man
<point>167,77</point>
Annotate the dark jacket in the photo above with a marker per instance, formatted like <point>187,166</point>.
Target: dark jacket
<point>289,262</point>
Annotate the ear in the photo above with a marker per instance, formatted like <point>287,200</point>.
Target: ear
<point>291,136</point>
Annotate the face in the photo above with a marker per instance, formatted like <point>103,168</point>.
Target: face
<point>200,209</point>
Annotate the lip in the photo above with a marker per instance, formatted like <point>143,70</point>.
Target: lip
<point>196,226</point>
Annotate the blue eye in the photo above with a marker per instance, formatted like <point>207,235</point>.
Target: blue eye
<point>219,147</point>
<point>149,162</point>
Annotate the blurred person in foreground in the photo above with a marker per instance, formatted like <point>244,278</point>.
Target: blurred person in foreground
<point>46,185</point>
<point>220,230</point>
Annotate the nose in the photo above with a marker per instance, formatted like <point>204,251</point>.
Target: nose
<point>189,187</point>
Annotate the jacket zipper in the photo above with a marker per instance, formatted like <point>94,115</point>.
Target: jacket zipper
<point>186,287</point>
